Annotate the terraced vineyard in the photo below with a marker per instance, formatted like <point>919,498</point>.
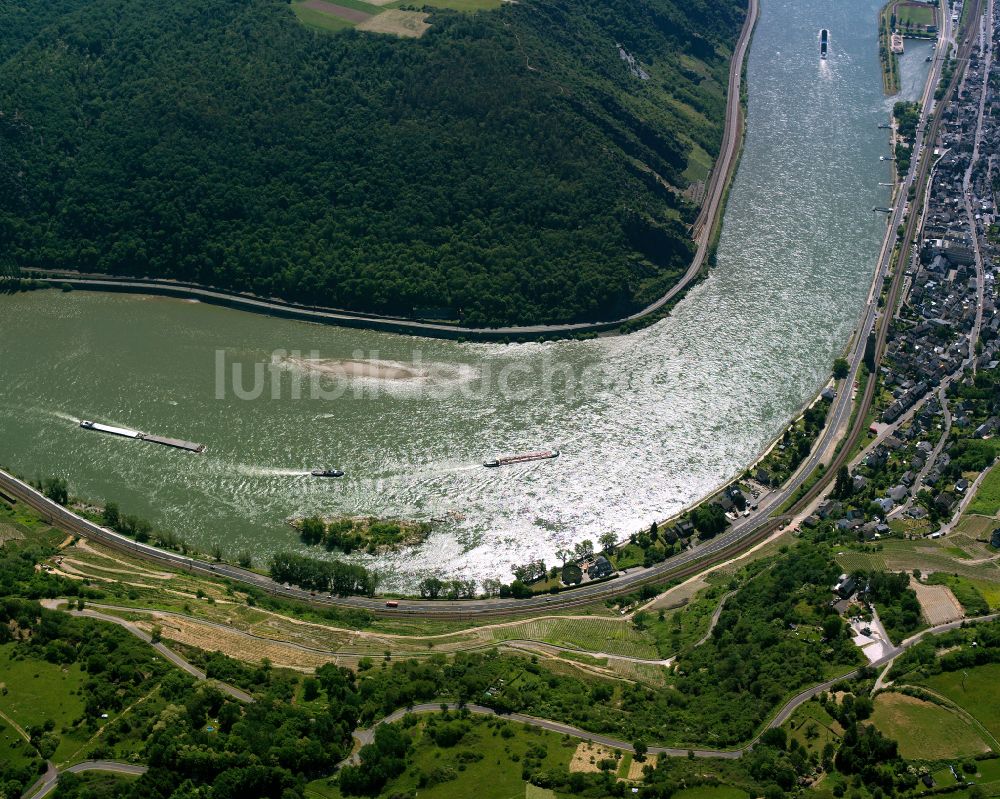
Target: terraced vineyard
<point>955,554</point>
<point>861,561</point>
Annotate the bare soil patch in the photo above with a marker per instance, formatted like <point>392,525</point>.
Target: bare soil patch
<point>236,645</point>
<point>938,603</point>
<point>588,755</point>
<point>678,596</point>
<point>399,23</point>
<point>350,14</point>
<point>635,767</point>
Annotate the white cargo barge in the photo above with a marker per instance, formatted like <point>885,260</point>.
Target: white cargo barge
<point>124,432</point>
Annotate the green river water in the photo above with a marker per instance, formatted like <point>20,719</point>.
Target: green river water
<point>646,423</point>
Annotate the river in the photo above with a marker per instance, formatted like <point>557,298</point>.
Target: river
<point>646,423</point>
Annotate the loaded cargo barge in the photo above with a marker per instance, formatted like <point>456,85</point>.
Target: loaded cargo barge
<point>526,457</point>
<point>124,432</point>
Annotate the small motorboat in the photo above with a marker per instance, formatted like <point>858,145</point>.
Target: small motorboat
<point>327,473</point>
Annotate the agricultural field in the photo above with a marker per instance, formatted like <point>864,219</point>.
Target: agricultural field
<point>456,5</point>
<point>851,561</point>
<point>976,526</point>
<point>964,590</point>
<point>371,17</point>
<point>974,690</point>
<point>593,635</point>
<point>925,731</point>
<point>955,554</point>
<point>937,603</point>
<point>312,18</point>
<point>379,16</point>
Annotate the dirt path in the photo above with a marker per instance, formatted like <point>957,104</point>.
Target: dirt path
<point>17,727</point>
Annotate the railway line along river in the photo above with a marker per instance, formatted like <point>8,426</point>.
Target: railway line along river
<point>645,423</point>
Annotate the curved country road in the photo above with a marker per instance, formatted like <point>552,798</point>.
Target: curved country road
<point>50,779</point>
<point>704,225</point>
<point>366,736</point>
<point>142,635</point>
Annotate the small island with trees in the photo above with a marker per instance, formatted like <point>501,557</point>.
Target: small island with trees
<point>367,533</point>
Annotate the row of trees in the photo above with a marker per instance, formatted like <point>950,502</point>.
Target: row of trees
<point>433,588</point>
<point>343,579</point>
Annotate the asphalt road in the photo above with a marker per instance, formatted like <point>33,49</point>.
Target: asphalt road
<point>169,654</point>
<point>703,227</point>
<point>51,778</point>
<point>365,736</point>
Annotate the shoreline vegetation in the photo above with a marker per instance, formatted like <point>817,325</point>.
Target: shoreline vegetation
<point>888,59</point>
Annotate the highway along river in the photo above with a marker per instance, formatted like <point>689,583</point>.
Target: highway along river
<point>646,423</point>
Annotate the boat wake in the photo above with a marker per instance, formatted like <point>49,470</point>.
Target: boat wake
<point>269,471</point>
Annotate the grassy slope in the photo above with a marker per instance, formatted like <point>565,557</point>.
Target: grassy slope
<point>38,691</point>
<point>316,19</point>
<point>987,499</point>
<point>925,731</point>
<point>974,690</point>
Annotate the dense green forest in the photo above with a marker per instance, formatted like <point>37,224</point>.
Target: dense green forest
<point>507,167</point>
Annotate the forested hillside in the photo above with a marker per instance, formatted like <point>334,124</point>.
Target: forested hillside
<point>510,166</point>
